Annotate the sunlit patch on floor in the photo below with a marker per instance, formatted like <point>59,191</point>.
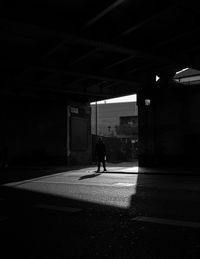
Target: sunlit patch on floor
<point>124,184</point>
<point>120,169</point>
<point>112,188</point>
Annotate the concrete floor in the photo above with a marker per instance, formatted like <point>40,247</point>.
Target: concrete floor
<point>119,214</point>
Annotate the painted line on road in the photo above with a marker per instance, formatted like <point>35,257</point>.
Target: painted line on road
<point>57,208</point>
<point>172,222</point>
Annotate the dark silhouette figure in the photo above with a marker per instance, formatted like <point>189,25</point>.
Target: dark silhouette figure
<point>100,152</point>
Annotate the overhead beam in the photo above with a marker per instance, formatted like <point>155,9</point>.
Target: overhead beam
<point>82,57</point>
<point>73,39</point>
<point>87,74</point>
<point>149,19</point>
<point>111,84</point>
<point>119,62</point>
<point>53,50</point>
<point>61,44</point>
<point>179,36</point>
<point>103,13</point>
<point>88,93</point>
<point>97,84</point>
<point>145,67</point>
<point>46,88</point>
<point>103,86</point>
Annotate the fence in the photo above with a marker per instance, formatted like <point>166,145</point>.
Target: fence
<point>117,149</point>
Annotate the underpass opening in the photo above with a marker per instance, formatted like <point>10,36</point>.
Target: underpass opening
<point>116,122</point>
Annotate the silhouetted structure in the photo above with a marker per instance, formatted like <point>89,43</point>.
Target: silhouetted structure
<point>55,62</point>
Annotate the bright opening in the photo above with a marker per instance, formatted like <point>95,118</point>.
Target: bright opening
<point>147,102</point>
<point>116,121</point>
<point>127,98</point>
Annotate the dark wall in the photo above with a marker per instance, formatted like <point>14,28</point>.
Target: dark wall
<point>36,132</point>
<point>33,131</point>
<point>80,143</point>
<point>192,127</point>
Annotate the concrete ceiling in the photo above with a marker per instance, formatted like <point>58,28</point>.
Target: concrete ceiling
<point>91,50</point>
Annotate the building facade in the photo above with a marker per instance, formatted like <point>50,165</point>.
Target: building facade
<point>117,123</point>
<point>115,119</point>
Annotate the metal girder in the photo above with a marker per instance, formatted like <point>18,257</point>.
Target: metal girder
<point>97,84</point>
<point>103,13</point>
<point>87,74</point>
<point>119,62</point>
<point>81,93</point>
<point>177,37</point>
<point>66,91</point>
<point>82,57</point>
<point>73,39</point>
<point>53,50</point>
<point>145,67</point>
<point>149,19</point>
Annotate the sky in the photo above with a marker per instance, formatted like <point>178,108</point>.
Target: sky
<point>127,98</point>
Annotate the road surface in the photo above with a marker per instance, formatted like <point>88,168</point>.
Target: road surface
<point>122,213</point>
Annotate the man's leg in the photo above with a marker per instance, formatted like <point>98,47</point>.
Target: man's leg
<point>104,164</point>
<point>98,164</point>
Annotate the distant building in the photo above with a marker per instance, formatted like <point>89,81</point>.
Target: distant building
<point>115,120</point>
<point>188,76</point>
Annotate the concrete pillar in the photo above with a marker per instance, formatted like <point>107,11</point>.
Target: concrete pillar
<point>169,128</point>
<point>146,123</point>
<point>161,124</point>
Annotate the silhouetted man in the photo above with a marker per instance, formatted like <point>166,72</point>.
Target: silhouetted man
<point>100,151</point>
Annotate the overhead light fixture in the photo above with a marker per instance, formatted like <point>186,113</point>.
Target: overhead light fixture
<point>147,102</point>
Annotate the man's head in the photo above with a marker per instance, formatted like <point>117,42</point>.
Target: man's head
<point>100,139</point>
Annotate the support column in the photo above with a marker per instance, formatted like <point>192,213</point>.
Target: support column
<point>146,122</point>
<point>68,135</point>
<point>161,123</point>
